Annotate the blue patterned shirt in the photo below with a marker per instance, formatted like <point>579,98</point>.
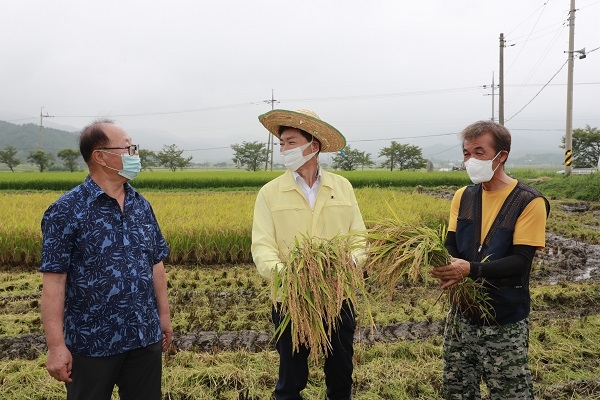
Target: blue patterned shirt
<point>108,256</point>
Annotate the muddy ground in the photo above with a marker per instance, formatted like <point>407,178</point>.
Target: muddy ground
<point>562,260</point>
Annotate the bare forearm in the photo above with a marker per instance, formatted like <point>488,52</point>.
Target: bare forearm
<point>52,308</point>
<point>160,288</point>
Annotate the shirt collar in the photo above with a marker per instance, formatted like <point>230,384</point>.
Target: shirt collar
<point>297,175</point>
<point>96,191</point>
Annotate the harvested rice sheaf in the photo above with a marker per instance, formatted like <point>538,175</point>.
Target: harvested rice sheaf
<point>399,253</point>
<point>311,286</point>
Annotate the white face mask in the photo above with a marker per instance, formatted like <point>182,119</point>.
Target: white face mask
<point>480,171</point>
<point>294,159</point>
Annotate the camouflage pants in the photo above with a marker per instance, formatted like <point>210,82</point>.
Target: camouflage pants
<point>495,354</point>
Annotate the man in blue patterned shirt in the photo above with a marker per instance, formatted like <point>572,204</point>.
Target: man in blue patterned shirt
<point>104,299</point>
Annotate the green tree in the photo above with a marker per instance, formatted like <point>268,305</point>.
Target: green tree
<point>250,154</point>
<point>402,156</point>
<point>348,159</point>
<point>586,147</point>
<point>9,157</point>
<point>148,158</point>
<point>170,157</point>
<point>365,160</point>
<point>42,159</point>
<point>69,157</point>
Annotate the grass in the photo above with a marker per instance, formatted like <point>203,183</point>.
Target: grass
<point>565,335</point>
<point>565,340</point>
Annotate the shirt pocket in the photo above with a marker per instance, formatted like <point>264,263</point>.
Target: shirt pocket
<point>338,214</point>
<point>289,219</point>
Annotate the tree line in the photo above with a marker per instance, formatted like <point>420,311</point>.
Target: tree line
<point>169,157</point>
<point>253,155</point>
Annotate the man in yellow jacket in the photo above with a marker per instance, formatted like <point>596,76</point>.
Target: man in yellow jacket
<point>306,200</point>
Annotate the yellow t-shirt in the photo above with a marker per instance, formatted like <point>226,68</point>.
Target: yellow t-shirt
<point>530,228</point>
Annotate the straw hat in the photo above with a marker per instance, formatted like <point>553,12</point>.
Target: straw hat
<point>331,139</point>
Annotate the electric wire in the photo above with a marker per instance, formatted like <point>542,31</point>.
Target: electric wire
<point>540,91</point>
<point>543,7</point>
<point>535,67</point>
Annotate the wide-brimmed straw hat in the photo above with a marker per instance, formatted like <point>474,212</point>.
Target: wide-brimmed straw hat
<point>331,139</point>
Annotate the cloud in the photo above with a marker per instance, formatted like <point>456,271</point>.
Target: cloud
<point>200,71</point>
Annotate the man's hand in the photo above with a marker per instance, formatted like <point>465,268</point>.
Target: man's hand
<point>59,363</point>
<point>450,275</point>
<point>167,335</point>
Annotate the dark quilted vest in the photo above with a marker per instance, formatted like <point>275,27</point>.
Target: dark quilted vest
<point>509,296</point>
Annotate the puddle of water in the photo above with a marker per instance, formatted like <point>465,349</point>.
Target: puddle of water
<point>554,251</point>
<point>587,274</point>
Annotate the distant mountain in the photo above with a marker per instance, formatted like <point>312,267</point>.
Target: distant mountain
<point>27,138</point>
<point>522,155</point>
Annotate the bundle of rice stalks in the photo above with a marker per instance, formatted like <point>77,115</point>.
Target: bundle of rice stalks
<point>404,254</point>
<point>309,290</point>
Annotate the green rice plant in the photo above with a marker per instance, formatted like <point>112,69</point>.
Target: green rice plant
<point>402,253</point>
<point>310,288</point>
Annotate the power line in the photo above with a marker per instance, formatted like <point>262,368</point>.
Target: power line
<point>588,5</point>
<point>537,65</point>
<point>527,18</point>
<point>595,48</point>
<point>210,148</point>
<point>335,98</point>
<point>543,7</point>
<point>540,91</point>
<point>515,43</point>
<point>384,95</point>
<point>404,137</point>
<point>157,112</point>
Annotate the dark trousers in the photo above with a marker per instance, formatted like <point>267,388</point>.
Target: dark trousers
<point>293,366</point>
<point>137,373</point>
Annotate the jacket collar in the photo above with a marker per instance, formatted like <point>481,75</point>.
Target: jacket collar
<point>289,183</point>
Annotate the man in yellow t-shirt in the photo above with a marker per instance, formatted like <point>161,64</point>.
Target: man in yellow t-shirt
<point>495,227</point>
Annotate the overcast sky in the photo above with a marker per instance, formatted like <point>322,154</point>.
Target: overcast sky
<point>197,73</point>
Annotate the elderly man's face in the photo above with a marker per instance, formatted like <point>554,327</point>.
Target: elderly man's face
<point>119,143</point>
<point>481,148</point>
<point>292,138</point>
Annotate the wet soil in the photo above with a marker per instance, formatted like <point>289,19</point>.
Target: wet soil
<point>563,260</point>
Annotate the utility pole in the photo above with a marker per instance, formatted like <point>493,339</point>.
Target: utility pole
<point>41,129</point>
<point>569,127</point>
<point>501,82</point>
<point>493,94</point>
<point>270,140</point>
<point>42,116</point>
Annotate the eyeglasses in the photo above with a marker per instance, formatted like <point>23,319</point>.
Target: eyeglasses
<point>131,150</point>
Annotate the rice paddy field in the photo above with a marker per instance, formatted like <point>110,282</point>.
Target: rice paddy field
<point>221,308</point>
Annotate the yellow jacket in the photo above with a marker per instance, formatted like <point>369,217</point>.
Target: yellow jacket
<point>281,213</point>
